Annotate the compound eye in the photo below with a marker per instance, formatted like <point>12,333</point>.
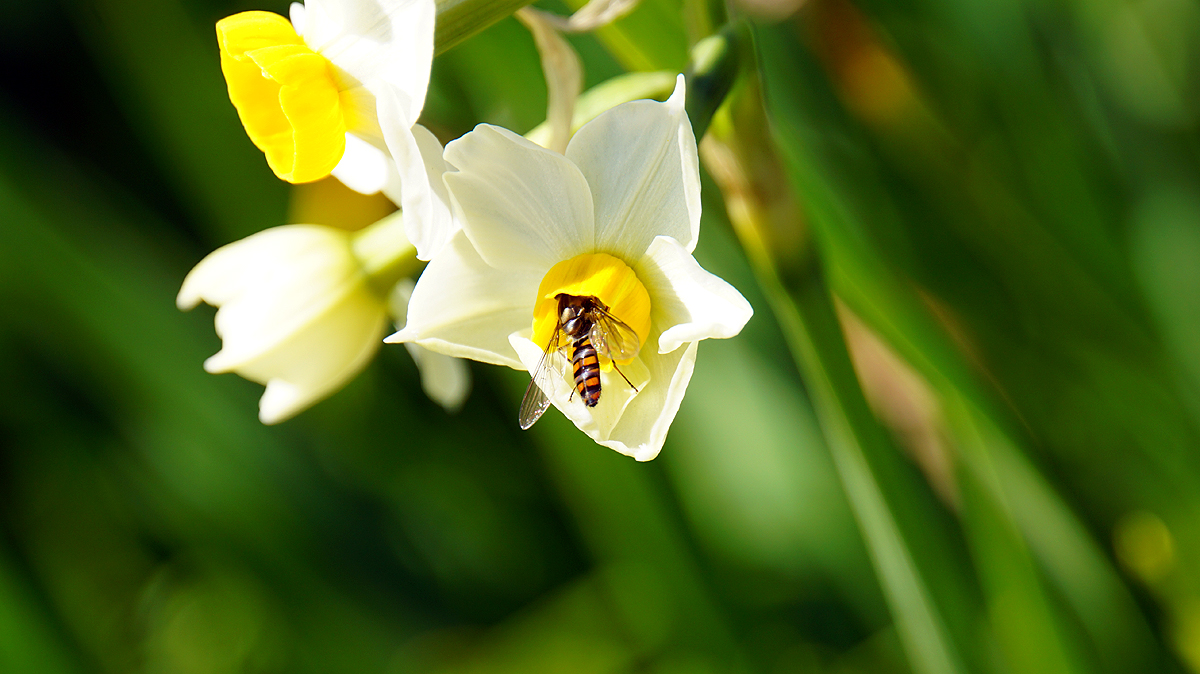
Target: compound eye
<point>567,314</point>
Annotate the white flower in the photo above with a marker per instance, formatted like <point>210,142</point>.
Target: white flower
<point>300,312</point>
<point>339,90</point>
<point>617,218</point>
<point>445,379</point>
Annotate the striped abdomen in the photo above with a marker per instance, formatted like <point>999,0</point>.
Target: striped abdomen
<point>587,371</point>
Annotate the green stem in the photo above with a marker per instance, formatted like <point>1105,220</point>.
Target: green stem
<point>865,460</point>
<point>385,253</point>
<point>458,20</point>
<point>913,555</point>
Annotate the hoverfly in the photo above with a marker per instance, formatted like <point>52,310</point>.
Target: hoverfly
<point>586,326</point>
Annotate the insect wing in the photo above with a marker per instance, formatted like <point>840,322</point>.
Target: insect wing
<point>612,337</point>
<point>535,403</point>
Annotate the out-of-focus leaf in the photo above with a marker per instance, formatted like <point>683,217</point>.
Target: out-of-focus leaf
<point>914,553</point>
<point>627,87</point>
<point>1029,634</point>
<point>165,70</point>
<point>652,37</point>
<point>29,641</point>
<point>458,20</point>
<point>851,210</point>
<point>513,96</point>
<point>625,521</point>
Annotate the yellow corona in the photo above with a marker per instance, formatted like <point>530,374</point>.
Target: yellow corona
<point>287,95</point>
<point>597,275</point>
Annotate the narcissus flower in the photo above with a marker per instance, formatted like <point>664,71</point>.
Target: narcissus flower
<point>339,89</point>
<point>616,218</point>
<point>302,309</point>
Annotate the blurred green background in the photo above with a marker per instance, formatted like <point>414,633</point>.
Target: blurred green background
<point>1003,198</point>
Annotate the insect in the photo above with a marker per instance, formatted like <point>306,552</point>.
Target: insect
<point>586,326</point>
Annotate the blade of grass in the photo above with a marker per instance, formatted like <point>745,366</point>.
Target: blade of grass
<point>913,556</point>
<point>1021,615</point>
<point>166,74</point>
<point>29,641</point>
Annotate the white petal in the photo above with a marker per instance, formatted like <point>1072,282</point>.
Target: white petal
<point>227,270</point>
<point>377,40</point>
<point>269,285</point>
<point>319,358</point>
<point>398,301</point>
<point>317,23</point>
<point>634,424</point>
<point>364,168</point>
<point>640,161</point>
<point>689,303</point>
<point>294,312</point>
<point>523,206</point>
<point>462,307</point>
<point>280,401</point>
<point>418,187</point>
<point>615,392</point>
<point>643,428</point>
<point>296,16</point>
<point>445,379</point>
<point>293,309</point>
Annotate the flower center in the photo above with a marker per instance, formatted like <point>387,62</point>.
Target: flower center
<point>285,95</point>
<point>597,275</point>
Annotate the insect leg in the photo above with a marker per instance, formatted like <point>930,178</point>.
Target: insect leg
<point>635,389</point>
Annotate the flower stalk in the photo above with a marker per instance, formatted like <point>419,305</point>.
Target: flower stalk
<point>458,20</point>
<point>385,253</point>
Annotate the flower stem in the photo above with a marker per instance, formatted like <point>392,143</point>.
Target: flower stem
<point>385,253</point>
<point>458,20</point>
<point>921,578</point>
